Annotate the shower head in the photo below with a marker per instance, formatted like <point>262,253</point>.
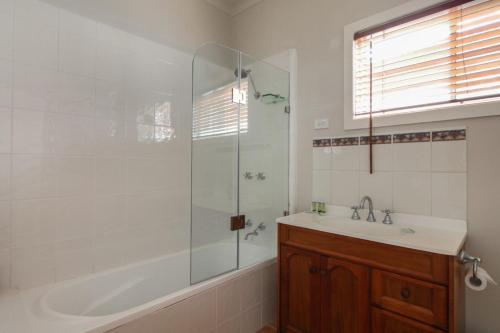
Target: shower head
<point>247,73</point>
<point>273,99</point>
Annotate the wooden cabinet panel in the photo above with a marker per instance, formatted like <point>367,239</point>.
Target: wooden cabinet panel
<point>338,284</point>
<point>419,264</point>
<point>345,297</point>
<point>420,300</point>
<point>299,291</point>
<point>387,322</point>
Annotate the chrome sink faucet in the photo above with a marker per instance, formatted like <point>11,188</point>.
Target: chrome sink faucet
<point>371,217</point>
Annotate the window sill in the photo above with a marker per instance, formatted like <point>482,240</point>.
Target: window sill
<point>450,113</point>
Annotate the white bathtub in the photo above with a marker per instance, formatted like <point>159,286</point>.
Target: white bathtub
<point>102,301</point>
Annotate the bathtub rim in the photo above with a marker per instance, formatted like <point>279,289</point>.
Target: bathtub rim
<point>101,324</point>
<point>62,285</point>
<point>177,297</point>
<point>43,300</point>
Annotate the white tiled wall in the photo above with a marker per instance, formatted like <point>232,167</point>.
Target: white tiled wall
<point>241,305</point>
<point>94,146</point>
<point>425,178</point>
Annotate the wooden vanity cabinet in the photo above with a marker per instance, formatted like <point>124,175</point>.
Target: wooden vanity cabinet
<point>315,287</point>
<point>337,284</point>
<point>299,271</point>
<point>345,296</point>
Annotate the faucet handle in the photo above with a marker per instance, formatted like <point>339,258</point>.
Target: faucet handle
<point>355,213</point>
<point>387,218</point>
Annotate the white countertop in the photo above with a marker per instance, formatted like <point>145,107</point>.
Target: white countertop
<point>431,234</point>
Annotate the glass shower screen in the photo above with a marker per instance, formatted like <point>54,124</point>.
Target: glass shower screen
<point>239,160</point>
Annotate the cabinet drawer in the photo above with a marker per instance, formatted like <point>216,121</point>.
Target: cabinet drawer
<point>419,264</point>
<point>420,300</point>
<point>387,322</point>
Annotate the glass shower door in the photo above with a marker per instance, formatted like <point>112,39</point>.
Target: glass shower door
<point>214,170</point>
<point>239,160</point>
<point>264,157</point>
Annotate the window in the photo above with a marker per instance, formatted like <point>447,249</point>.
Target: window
<point>215,114</point>
<point>437,57</point>
<point>162,129</point>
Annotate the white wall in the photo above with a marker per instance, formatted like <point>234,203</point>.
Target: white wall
<point>315,29</point>
<point>94,134</point>
<point>182,24</point>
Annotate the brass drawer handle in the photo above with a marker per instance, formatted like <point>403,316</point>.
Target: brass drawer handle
<point>405,293</point>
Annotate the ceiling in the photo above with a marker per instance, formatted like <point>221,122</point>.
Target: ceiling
<point>233,7</point>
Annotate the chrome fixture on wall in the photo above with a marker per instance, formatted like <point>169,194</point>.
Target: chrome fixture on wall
<point>247,73</point>
<point>249,175</point>
<point>255,232</point>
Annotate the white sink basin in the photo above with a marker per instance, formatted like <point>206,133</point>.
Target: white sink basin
<point>360,226</point>
<point>437,235</point>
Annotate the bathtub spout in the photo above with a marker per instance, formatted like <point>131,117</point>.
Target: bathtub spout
<point>253,233</point>
<point>260,227</point>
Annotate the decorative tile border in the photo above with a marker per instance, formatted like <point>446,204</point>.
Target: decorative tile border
<point>351,141</point>
<point>411,137</point>
<point>436,136</point>
<point>451,135</point>
<point>376,139</point>
<point>322,143</point>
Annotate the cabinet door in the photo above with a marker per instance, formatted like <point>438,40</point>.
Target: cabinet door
<point>299,291</point>
<point>387,322</point>
<point>345,297</point>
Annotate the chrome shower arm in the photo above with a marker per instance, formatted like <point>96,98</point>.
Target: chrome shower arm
<point>256,93</point>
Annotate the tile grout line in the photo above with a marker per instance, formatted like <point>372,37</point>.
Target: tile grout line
<point>11,172</point>
<point>57,70</point>
<point>359,169</point>
<point>392,172</point>
<point>95,159</point>
<point>432,174</point>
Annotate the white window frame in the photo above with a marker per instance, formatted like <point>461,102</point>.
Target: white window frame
<point>448,113</point>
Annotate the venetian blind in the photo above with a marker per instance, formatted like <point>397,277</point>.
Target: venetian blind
<point>445,55</point>
<point>215,114</point>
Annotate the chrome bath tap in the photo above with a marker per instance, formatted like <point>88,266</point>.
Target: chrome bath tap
<point>371,217</point>
<point>255,232</point>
